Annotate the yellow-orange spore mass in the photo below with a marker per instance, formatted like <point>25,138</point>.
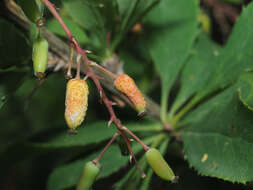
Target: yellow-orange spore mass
<point>127,86</point>
<point>76,102</point>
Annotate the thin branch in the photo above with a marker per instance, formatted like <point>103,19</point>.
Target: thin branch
<point>145,147</point>
<point>93,76</point>
<point>96,160</point>
<point>52,9</point>
<point>143,175</point>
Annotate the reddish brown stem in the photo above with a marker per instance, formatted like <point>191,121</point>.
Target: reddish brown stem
<point>143,175</point>
<point>91,74</point>
<point>95,161</point>
<point>145,147</point>
<point>52,9</point>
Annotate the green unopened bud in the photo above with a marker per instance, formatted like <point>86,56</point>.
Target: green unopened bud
<point>40,56</point>
<point>159,165</point>
<point>89,175</point>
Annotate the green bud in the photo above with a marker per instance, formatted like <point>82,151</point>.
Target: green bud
<point>89,175</point>
<point>40,56</point>
<point>159,165</point>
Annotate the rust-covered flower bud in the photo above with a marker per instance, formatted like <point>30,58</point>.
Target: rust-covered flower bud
<point>76,102</point>
<point>127,86</point>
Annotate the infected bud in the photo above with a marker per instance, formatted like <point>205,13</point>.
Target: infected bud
<point>76,102</point>
<point>127,86</point>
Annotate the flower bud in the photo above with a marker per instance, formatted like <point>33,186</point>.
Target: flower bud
<point>40,56</point>
<point>159,165</point>
<point>76,102</point>
<point>127,86</point>
<point>89,175</point>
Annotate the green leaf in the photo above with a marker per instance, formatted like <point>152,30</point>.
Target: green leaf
<point>93,133</point>
<point>95,16</point>
<point>246,90</point>
<point>237,55</point>
<point>171,37</point>
<point>87,134</point>
<point>83,14</point>
<point>53,26</point>
<point>147,125</point>
<point>218,139</point>
<point>14,49</point>
<point>33,9</point>
<point>132,66</point>
<point>203,60</point>
<point>13,78</point>
<point>68,175</point>
<point>132,10</point>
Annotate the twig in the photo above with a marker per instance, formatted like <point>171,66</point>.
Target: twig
<point>143,175</point>
<point>96,160</point>
<point>93,76</point>
<point>145,147</point>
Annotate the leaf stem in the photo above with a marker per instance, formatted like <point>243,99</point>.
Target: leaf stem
<point>158,140</point>
<point>152,128</point>
<point>164,105</point>
<point>185,110</point>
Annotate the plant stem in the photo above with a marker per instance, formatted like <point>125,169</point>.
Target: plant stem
<point>146,183</point>
<point>91,74</point>
<point>143,175</point>
<point>105,148</point>
<point>164,105</point>
<point>145,147</point>
<point>152,128</point>
<point>185,110</point>
<point>158,140</point>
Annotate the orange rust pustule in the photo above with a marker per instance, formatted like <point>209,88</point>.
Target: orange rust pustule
<point>127,86</point>
<point>76,102</point>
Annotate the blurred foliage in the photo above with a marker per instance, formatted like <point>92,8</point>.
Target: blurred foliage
<point>205,90</point>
